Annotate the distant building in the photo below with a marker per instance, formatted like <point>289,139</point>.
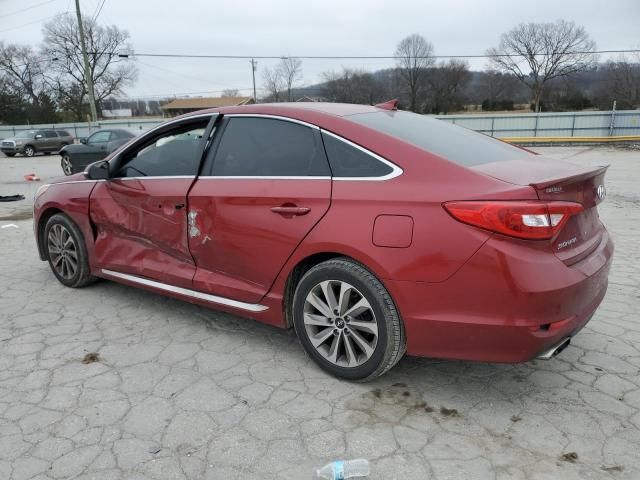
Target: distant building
<point>117,113</point>
<point>307,98</point>
<point>180,106</point>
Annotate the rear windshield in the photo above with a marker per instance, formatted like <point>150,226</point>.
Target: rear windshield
<point>460,145</point>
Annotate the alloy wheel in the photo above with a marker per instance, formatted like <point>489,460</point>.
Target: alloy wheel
<point>63,251</point>
<point>67,168</point>
<point>340,323</point>
<point>29,151</point>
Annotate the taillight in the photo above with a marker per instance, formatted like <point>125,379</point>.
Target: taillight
<point>531,220</point>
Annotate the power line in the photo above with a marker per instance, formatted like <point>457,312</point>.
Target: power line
<point>168,70</point>
<point>167,95</point>
<point>31,23</point>
<point>354,57</point>
<point>27,8</point>
<point>97,11</point>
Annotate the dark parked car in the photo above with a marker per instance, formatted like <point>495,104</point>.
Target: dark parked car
<point>370,231</point>
<point>76,157</point>
<point>31,142</point>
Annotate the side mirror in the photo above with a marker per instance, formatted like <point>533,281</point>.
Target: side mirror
<point>83,140</point>
<point>98,171</point>
<point>38,136</point>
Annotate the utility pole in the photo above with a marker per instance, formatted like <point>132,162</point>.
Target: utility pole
<point>87,71</point>
<point>254,66</point>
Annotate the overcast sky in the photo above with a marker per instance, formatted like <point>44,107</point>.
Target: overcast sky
<point>327,27</point>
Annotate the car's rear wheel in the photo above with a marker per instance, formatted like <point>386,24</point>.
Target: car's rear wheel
<point>347,321</point>
<point>29,151</point>
<point>67,252</point>
<point>65,163</point>
<point>10,154</point>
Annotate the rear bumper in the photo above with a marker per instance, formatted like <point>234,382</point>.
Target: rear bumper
<point>509,303</point>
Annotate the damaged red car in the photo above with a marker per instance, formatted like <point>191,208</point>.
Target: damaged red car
<point>370,231</point>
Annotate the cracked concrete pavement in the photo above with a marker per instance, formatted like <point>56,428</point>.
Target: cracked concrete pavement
<point>181,392</point>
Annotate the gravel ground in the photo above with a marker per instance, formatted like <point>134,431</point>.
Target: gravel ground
<point>181,392</point>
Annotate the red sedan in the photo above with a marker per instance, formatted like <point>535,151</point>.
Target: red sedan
<point>372,232</point>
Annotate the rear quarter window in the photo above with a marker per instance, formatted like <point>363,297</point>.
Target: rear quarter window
<point>348,161</point>
<point>459,145</point>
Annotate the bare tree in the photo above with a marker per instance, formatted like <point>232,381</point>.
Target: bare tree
<point>230,92</point>
<point>621,83</point>
<point>22,80</point>
<point>290,71</point>
<point>22,70</point>
<point>109,71</point>
<point>495,87</point>
<point>352,86</point>
<point>539,52</point>
<point>273,83</point>
<point>445,83</point>
<point>414,55</point>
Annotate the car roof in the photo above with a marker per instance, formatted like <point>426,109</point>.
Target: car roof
<point>333,109</point>
<point>313,112</point>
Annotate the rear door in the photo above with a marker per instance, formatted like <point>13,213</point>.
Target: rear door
<point>51,140</point>
<point>140,213</point>
<point>264,185</point>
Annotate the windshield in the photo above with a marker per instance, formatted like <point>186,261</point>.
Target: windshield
<point>459,145</point>
<point>26,134</point>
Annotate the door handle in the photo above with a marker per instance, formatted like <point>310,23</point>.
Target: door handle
<point>179,206</point>
<point>290,210</point>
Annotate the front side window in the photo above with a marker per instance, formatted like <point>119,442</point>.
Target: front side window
<point>26,134</point>
<point>98,137</point>
<point>349,161</point>
<point>267,147</point>
<point>174,153</point>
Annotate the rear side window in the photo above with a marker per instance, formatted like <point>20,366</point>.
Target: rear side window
<point>63,133</point>
<point>347,160</point>
<point>459,145</point>
<point>50,134</point>
<point>267,147</point>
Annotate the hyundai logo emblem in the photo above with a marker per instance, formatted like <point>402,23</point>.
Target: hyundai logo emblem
<point>601,192</point>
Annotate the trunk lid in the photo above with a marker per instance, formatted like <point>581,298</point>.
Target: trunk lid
<point>556,180</point>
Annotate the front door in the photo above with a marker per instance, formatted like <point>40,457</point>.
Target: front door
<point>94,149</point>
<point>265,187</point>
<point>141,211</point>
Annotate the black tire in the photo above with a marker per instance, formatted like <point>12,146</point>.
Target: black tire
<point>81,276</point>
<point>29,151</point>
<point>10,154</point>
<point>391,342</point>
<point>67,166</point>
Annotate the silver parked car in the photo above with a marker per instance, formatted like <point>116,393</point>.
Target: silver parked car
<point>30,142</point>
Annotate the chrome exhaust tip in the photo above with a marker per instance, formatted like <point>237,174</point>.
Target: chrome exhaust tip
<point>555,350</point>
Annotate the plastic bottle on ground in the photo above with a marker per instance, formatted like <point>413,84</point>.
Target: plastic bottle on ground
<point>339,470</point>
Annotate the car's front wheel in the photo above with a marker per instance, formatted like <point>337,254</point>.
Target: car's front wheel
<point>65,163</point>
<point>29,151</point>
<point>347,321</point>
<point>67,252</point>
